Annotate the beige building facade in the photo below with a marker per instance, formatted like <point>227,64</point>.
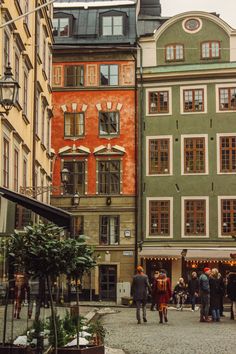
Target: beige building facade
<point>25,160</point>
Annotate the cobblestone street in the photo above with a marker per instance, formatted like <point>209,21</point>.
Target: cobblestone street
<point>183,334</point>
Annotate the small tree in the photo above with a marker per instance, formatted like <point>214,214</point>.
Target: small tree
<point>41,252</point>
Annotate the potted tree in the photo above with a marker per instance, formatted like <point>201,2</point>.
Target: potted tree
<point>43,253</point>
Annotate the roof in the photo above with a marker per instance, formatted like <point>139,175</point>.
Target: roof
<point>56,215</point>
<point>86,21</point>
<point>147,25</point>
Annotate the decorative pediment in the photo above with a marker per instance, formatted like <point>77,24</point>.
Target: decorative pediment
<point>109,150</point>
<point>74,151</point>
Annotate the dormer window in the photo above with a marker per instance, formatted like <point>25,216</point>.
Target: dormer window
<point>112,25</point>
<point>61,27</point>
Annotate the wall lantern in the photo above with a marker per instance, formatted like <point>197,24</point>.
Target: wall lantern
<point>76,198</point>
<point>8,90</point>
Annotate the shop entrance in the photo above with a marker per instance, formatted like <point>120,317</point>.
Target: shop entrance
<point>157,264</point>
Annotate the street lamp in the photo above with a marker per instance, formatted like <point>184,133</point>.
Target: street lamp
<point>8,90</point>
<point>65,178</point>
<point>76,198</point>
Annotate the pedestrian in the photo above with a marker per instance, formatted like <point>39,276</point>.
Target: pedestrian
<point>162,294</point>
<point>34,298</point>
<point>231,293</point>
<point>216,290</point>
<point>193,289</point>
<point>222,295</point>
<point>21,293</point>
<point>139,291</point>
<point>180,293</point>
<point>204,292</point>
<point>153,304</point>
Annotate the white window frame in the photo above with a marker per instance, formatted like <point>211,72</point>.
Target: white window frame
<point>170,199</point>
<point>205,136</point>
<point>217,87</point>
<point>155,137</point>
<point>218,136</point>
<point>159,89</point>
<point>220,198</point>
<point>206,198</point>
<point>193,87</point>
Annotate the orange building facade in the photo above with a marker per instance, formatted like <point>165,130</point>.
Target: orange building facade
<point>94,141</point>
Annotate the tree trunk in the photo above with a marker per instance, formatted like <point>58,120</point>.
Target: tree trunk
<point>5,315</point>
<point>77,311</point>
<point>53,314</point>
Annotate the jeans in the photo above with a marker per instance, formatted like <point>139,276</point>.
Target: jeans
<point>139,304</point>
<point>193,301</point>
<point>180,299</point>
<point>215,314</point>
<point>205,304</point>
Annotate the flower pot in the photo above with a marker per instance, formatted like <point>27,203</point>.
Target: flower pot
<point>13,349</point>
<point>96,349</point>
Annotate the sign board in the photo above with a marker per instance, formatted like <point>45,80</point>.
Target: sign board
<point>128,253</point>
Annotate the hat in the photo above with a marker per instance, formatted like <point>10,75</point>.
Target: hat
<point>140,269</point>
<point>206,269</point>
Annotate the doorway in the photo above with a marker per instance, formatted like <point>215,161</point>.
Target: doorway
<point>107,282</point>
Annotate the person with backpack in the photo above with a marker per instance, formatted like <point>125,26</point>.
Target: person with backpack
<point>162,294</point>
<point>216,291</point>
<point>204,292</point>
<point>139,290</point>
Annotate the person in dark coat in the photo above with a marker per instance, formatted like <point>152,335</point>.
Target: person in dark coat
<point>231,293</point>
<point>162,294</point>
<point>180,293</point>
<point>139,291</point>
<point>216,290</point>
<point>153,304</point>
<point>204,292</point>
<point>193,289</point>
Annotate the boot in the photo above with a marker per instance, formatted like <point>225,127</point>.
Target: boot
<point>165,316</point>
<point>161,316</point>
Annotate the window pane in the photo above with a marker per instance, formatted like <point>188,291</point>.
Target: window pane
<point>108,123</point>
<point>117,25</point>
<point>64,27</point>
<point>159,217</point>
<point>109,230</point>
<point>113,75</point>
<point>104,78</point>
<point>76,179</point>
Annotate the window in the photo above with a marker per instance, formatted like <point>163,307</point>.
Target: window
<point>159,156</point>
<point>5,163</point>
<point>6,51</point>
<point>17,70</point>
<point>210,50</point>
<point>25,94</point>
<point>109,177</point>
<point>74,76</point>
<point>228,154</point>
<point>60,27</point>
<point>24,177</point>
<point>227,99</point>
<point>109,75</point>
<point>23,217</point>
<point>43,110</point>
<point>228,217</point>
<point>74,124</point>
<point>159,217</point>
<point>193,100</point>
<point>174,52</point>
<point>194,155</point>
<point>112,25</point>
<point>109,230</point>
<point>108,123</point>
<point>159,102</point>
<point>76,182</point>
<point>37,113</point>
<point>195,217</point>
<point>25,10</point>
<point>16,170</point>
<point>78,225</point>
<point>44,53</point>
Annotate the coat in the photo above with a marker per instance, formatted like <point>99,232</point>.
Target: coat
<point>231,287</point>
<point>162,298</point>
<point>216,292</point>
<point>140,287</point>
<point>193,286</point>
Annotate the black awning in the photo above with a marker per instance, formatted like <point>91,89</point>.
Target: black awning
<point>56,215</point>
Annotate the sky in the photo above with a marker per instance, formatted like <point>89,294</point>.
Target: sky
<point>226,8</point>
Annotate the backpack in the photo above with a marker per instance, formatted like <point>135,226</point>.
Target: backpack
<point>161,286</point>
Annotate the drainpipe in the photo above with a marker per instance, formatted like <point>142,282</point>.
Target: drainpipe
<point>35,108</point>
<point>140,159</point>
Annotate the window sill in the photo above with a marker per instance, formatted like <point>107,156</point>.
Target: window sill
<point>74,137</point>
<point>25,119</point>
<point>43,147</point>
<point>38,58</point>
<point>44,74</point>
<point>109,136</point>
<point>18,106</point>
<point>26,28</point>
<point>37,137</point>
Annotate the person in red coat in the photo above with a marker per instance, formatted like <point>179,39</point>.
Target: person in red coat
<point>162,294</point>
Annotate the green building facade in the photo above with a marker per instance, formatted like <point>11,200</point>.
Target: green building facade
<point>187,145</point>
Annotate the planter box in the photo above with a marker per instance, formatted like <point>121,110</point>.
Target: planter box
<point>16,350</point>
<point>99,349</point>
